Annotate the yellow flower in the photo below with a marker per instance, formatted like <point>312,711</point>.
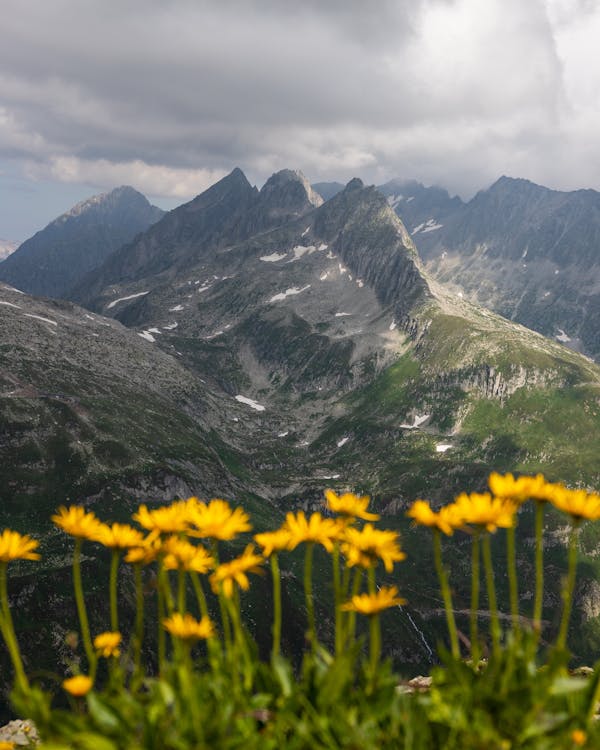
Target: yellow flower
<point>217,520</point>
<point>483,510</point>
<point>578,737</point>
<point>167,519</point>
<point>77,522</point>
<point>364,547</point>
<point>521,489</point>
<point>273,541</point>
<point>317,529</point>
<point>4,745</point>
<point>188,628</point>
<point>446,519</point>
<point>372,604</point>
<point>119,536</point>
<point>235,571</point>
<point>180,554</point>
<point>146,553</point>
<point>15,546</point>
<point>579,504</point>
<point>350,505</point>
<point>107,644</point>
<point>78,686</point>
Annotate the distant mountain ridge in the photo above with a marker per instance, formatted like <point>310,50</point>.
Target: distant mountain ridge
<point>530,253</point>
<point>57,257</point>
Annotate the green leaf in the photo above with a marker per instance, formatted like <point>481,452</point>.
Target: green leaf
<point>104,717</point>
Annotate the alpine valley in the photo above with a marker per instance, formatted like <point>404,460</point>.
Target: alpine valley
<point>263,345</point>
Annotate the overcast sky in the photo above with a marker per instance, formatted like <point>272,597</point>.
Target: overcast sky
<point>170,95</point>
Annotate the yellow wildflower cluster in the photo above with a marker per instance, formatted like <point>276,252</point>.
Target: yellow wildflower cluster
<point>490,511</point>
<point>15,546</point>
<point>107,644</point>
<point>372,604</point>
<point>187,628</point>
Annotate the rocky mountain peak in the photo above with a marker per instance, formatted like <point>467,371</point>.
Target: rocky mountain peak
<point>233,188</point>
<point>290,192</point>
<point>355,184</point>
<point>121,199</point>
<point>77,242</point>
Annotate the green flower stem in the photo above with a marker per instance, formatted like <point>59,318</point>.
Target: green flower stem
<point>276,605</point>
<point>139,618</point>
<point>212,645</point>
<point>81,610</point>
<point>181,591</point>
<point>539,568</point>
<point>512,578</point>
<point>491,592</point>
<point>162,635</point>
<point>114,569</point>
<point>225,624</point>
<point>308,594</point>
<point>337,597</point>
<point>344,616</point>
<point>8,632</point>
<point>351,634</point>
<point>375,645</point>
<point>569,587</point>
<point>371,578</point>
<point>200,595</point>
<point>236,618</point>
<point>474,598</point>
<point>446,594</point>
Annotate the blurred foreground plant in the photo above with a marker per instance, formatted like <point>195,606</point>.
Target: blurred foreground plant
<point>213,691</point>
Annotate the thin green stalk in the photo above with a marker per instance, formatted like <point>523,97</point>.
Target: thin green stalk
<point>8,631</point>
<point>567,593</point>
<point>539,568</point>
<point>212,645</point>
<point>114,569</point>
<point>81,610</point>
<point>337,597</point>
<point>351,634</point>
<point>225,624</point>
<point>375,645</point>
<point>139,618</point>
<point>162,636</point>
<point>446,594</point>
<point>511,561</point>
<point>276,605</point>
<point>474,598</point>
<point>200,595</point>
<point>371,578</point>
<point>181,591</point>
<point>491,592</point>
<point>236,618</point>
<point>308,594</point>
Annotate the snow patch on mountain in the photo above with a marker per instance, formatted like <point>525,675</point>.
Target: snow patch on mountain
<point>124,299</point>
<point>288,293</point>
<point>250,402</point>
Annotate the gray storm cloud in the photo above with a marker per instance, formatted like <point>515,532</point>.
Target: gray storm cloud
<point>170,95</point>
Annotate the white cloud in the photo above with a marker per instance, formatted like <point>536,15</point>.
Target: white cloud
<point>150,179</point>
<point>170,96</point>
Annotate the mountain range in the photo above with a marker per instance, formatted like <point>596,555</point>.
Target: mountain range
<point>56,258</point>
<point>265,344</point>
<point>527,252</point>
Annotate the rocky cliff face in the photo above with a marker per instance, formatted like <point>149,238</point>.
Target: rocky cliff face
<point>56,258</point>
<point>527,252</point>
